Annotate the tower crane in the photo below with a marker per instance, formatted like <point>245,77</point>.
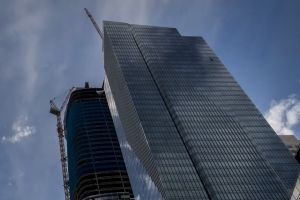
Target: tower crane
<point>60,133</point>
<point>55,110</point>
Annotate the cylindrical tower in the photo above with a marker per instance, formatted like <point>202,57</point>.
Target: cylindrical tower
<point>95,162</point>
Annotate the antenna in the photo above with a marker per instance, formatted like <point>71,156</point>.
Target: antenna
<point>94,23</point>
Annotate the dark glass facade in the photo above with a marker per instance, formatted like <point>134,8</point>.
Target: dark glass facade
<point>292,143</point>
<point>95,163</point>
<point>297,156</point>
<point>193,131</point>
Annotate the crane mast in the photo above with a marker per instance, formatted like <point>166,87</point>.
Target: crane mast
<point>63,157</point>
<point>60,133</point>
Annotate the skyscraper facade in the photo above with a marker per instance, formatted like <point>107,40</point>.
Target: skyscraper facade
<point>291,142</point>
<point>96,166</point>
<point>186,128</point>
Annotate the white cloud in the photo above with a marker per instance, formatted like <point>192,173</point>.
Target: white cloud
<point>149,182</point>
<point>284,115</point>
<point>20,130</point>
<point>126,145</point>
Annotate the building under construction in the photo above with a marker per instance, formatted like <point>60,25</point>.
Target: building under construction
<point>95,162</point>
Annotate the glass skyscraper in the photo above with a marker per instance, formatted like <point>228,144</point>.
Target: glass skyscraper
<point>186,128</point>
<point>291,142</point>
<point>95,163</point>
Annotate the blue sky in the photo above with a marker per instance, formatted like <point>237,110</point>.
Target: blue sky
<point>46,47</point>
